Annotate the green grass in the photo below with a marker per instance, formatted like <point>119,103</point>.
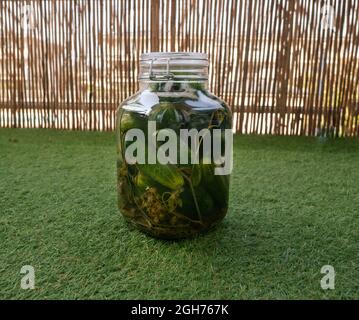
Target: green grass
<point>293,208</point>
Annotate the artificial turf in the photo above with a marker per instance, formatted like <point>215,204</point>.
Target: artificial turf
<point>294,207</point>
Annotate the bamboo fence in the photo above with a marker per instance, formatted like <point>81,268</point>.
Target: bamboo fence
<point>285,67</point>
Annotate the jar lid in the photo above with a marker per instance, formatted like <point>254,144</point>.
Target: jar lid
<point>173,56</point>
<point>174,65</point>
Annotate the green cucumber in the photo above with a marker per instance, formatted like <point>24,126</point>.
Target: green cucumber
<point>217,185</point>
<point>204,201</point>
<point>168,115</point>
<point>126,121</point>
<point>196,175</point>
<point>142,182</point>
<point>166,175</point>
<point>188,206</point>
<point>131,120</point>
<point>200,120</point>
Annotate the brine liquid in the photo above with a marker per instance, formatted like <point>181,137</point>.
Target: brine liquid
<point>173,200</point>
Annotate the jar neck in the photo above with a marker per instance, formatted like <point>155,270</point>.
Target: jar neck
<point>173,85</point>
<point>173,69</point>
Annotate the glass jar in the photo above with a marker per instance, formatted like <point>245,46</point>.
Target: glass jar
<point>170,182</point>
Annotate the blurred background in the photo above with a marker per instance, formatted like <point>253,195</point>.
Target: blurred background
<point>284,67</point>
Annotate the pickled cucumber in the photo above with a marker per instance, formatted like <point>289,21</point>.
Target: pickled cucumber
<point>130,120</point>
<point>167,115</point>
<point>166,175</point>
<point>216,185</point>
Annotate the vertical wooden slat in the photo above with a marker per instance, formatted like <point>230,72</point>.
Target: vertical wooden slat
<point>173,25</point>
<point>246,63</point>
<point>155,12</point>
